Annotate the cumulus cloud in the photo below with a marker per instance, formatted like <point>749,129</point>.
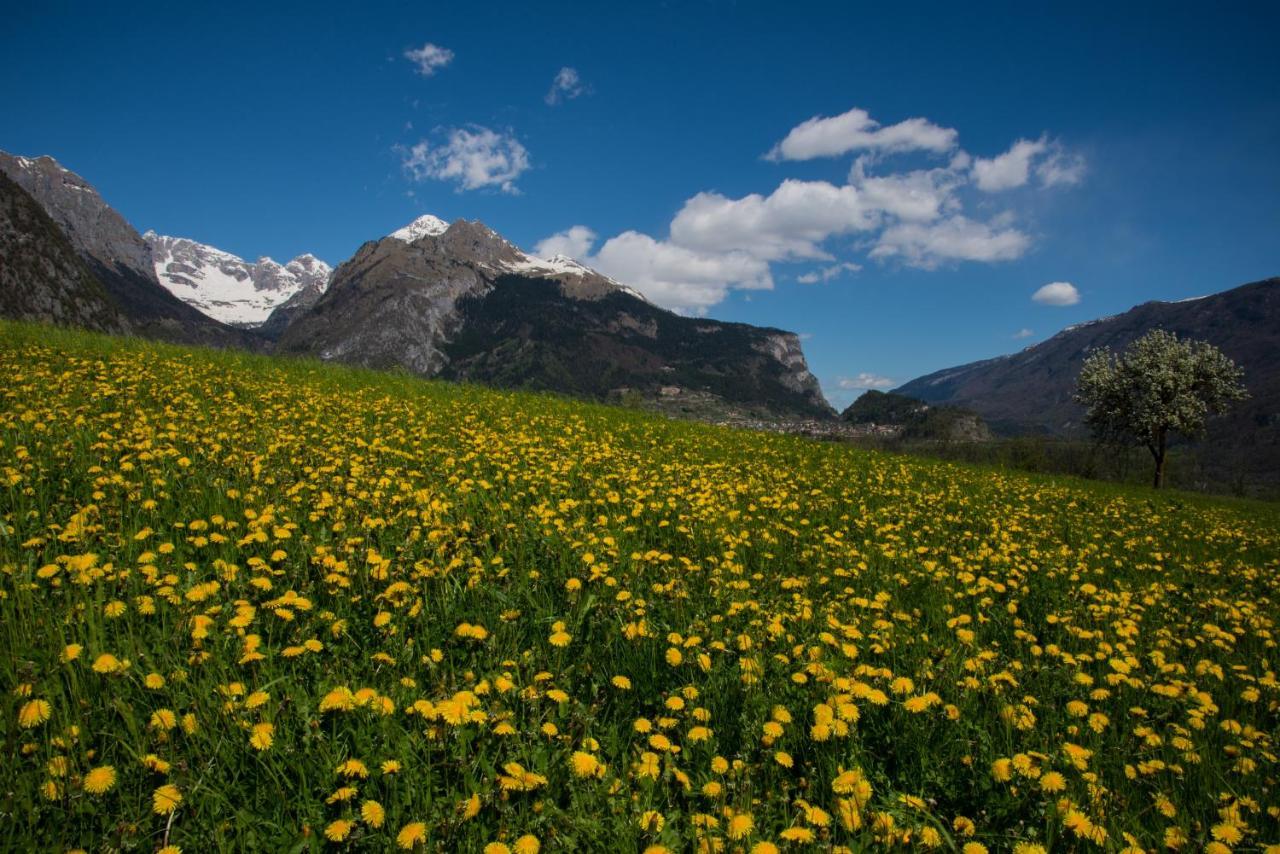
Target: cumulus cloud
<point>917,196</point>
<point>1061,168</point>
<point>1048,160</point>
<point>677,277</point>
<point>1007,170</point>
<point>855,130</point>
<point>566,86</point>
<point>472,158</point>
<point>672,276</point>
<point>575,242</point>
<point>429,58</point>
<point>790,222</point>
<point>826,274</point>
<point>1022,333</point>
<point>864,381</point>
<point>716,243</point>
<point>956,238</point>
<point>1057,293</point>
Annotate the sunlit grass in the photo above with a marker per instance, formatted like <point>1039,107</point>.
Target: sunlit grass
<point>274,605</point>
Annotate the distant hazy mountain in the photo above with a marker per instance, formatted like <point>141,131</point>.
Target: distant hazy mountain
<point>460,302</point>
<point>228,288</point>
<point>41,276</point>
<point>116,255</point>
<point>1031,391</point>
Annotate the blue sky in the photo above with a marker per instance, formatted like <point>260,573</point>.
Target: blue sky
<point>1148,167</point>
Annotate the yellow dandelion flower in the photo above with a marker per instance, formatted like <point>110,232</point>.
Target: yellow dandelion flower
<point>411,834</point>
<point>166,799</point>
<point>372,813</point>
<point>33,713</point>
<point>100,780</point>
<point>527,844</point>
<point>106,663</point>
<point>262,736</point>
<point>338,830</point>
<point>584,764</point>
<point>740,826</point>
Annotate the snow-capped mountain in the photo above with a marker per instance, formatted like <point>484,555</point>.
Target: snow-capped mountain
<point>513,260</point>
<point>229,288</point>
<point>461,302</point>
<point>420,227</point>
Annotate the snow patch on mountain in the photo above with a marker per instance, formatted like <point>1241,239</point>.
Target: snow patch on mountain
<point>421,227</point>
<point>228,288</point>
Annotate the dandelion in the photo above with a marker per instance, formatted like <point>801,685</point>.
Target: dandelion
<point>584,764</point>
<point>741,825</point>
<point>33,713</point>
<point>100,780</point>
<point>337,830</point>
<point>414,833</point>
<point>372,813</point>
<point>165,799</point>
<point>262,736</point>
<point>106,663</point>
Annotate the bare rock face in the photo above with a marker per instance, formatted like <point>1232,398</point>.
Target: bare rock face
<point>463,303</point>
<point>96,230</point>
<point>41,277</point>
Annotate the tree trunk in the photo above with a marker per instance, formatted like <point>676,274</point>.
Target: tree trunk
<point>1158,451</point>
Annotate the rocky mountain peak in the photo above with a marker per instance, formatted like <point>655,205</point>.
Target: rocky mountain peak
<point>93,227</point>
<point>424,226</point>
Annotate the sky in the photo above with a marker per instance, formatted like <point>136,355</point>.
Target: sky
<point>908,188</point>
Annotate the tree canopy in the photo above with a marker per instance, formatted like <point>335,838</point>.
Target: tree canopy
<point>1160,385</point>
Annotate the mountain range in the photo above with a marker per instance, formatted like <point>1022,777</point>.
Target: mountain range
<point>228,288</point>
<point>455,301</point>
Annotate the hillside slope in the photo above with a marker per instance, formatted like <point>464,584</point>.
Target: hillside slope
<point>443,614</point>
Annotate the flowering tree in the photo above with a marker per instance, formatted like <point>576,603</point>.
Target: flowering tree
<point>1160,385</point>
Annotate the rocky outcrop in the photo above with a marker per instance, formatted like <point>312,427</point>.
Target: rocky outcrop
<point>42,278</point>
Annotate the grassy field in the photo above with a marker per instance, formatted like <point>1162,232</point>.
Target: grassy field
<point>267,605</point>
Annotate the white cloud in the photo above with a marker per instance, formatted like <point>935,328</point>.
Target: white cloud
<point>956,238</point>
<point>826,274</point>
<point>1053,165</point>
<point>575,242</point>
<point>472,158</point>
<point>1022,333</point>
<point>567,85</point>
<point>1007,170</point>
<point>789,223</point>
<point>918,196</point>
<point>830,136</point>
<point>1057,293</point>
<point>864,381</point>
<point>429,58</point>
<point>677,277</point>
<point>1061,169</point>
